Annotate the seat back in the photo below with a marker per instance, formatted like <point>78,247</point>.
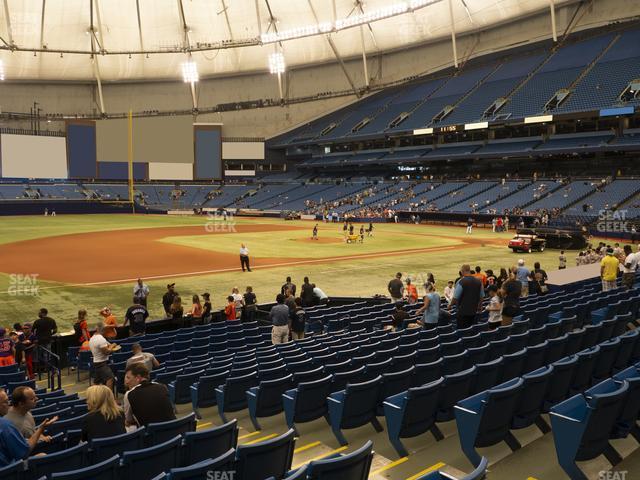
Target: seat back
<point>341,379</point>
<point>161,432</point>
<point>360,401</point>
<point>426,372</point>
<point>234,391</point>
<point>584,371</point>
<point>556,349</point>
<point>311,402</point>
<point>265,459</point>
<point>628,343</point>
<point>563,373</point>
<point>534,390</point>
<point>393,383</point>
<point>104,470</point>
<point>608,353</point>
<point>419,410</point>
<point>591,336</point>
<point>487,375</point>
<point>70,459</point>
<point>535,356</point>
<point>209,443</point>
<point>148,462</point>
<point>213,467</point>
<point>352,466</point>
<point>513,365</point>
<point>455,387</point>
<point>269,401</point>
<point>454,363</point>
<point>497,412</point>
<point>107,447</point>
<point>574,341</point>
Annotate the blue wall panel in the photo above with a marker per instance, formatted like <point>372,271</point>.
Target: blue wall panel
<point>120,171</point>
<point>81,150</point>
<point>208,158</point>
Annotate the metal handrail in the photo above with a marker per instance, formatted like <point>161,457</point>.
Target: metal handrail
<point>53,370</point>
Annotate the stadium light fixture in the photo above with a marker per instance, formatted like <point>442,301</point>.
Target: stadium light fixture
<point>1,70</point>
<point>276,63</point>
<point>190,72</point>
<point>388,11</point>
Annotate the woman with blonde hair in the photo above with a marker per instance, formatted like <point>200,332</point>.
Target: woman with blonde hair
<point>105,418</point>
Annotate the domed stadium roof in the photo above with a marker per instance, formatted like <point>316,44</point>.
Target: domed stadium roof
<point>151,39</point>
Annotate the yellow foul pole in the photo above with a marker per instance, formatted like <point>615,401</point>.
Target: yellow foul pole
<point>130,155</point>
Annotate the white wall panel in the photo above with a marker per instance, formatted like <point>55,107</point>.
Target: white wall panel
<point>30,156</point>
<point>170,171</point>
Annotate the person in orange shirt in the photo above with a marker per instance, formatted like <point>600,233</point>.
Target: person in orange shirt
<point>230,309</point>
<point>110,323</point>
<point>196,309</point>
<point>411,292</point>
<point>480,275</point>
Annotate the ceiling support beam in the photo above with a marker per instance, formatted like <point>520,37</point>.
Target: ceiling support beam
<point>453,34</point>
<point>258,20</point>
<point>336,53</point>
<point>44,6</point>
<point>228,22</point>
<point>7,20</point>
<point>364,57</point>
<point>552,8</point>
<point>186,46</point>
<point>94,59</point>
<point>139,25</point>
<point>99,36</point>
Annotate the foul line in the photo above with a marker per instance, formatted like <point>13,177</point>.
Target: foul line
<point>271,265</point>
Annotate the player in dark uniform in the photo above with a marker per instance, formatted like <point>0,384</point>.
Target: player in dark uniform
<point>370,230</point>
<point>351,229</point>
<point>362,234</point>
<point>315,233</point>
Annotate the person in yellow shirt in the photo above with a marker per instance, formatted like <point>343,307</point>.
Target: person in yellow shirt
<point>609,271</point>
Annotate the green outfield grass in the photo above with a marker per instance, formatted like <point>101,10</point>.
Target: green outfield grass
<point>352,277</point>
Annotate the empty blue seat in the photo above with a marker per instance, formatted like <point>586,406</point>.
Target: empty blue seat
<point>454,363</point>
<point>148,462</point>
<point>104,470</point>
<point>161,432</point>
<point>454,388</point>
<point>306,403</point>
<point>608,353</point>
<point>209,443</point>
<point>265,459</point>
<point>412,413</point>
<point>627,421</point>
<point>628,343</point>
<point>341,379</point>
<point>530,405</point>
<point>536,336</point>
<point>179,389</point>
<point>535,356</point>
<point>392,384</point>
<point>203,392</point>
<point>309,375</point>
<point>517,342</point>
<point>351,466</point>
<point>552,330</point>
<point>107,447</point>
<point>592,333</point>
<point>373,370</point>
<point>265,400</point>
<point>584,370</point>
<point>214,467</point>
<point>231,396</point>
<point>487,375</point>
<point>563,373</point>
<point>484,419</point>
<point>556,348</point>
<point>574,341</point>
<point>70,459</point>
<point>512,365</point>
<point>581,426</point>
<point>354,407</point>
<point>426,372</point>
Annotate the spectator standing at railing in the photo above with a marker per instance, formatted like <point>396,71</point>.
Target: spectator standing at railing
<point>288,285</point>
<point>280,319</point>
<point>141,290</point>
<point>306,293</point>
<point>609,271</point>
<point>136,317</point>
<point>44,328</point>
<point>110,323</point>
<point>630,267</point>
<point>467,295</point>
<point>101,350</point>
<point>396,288</point>
<point>167,299</point>
<point>250,306</point>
